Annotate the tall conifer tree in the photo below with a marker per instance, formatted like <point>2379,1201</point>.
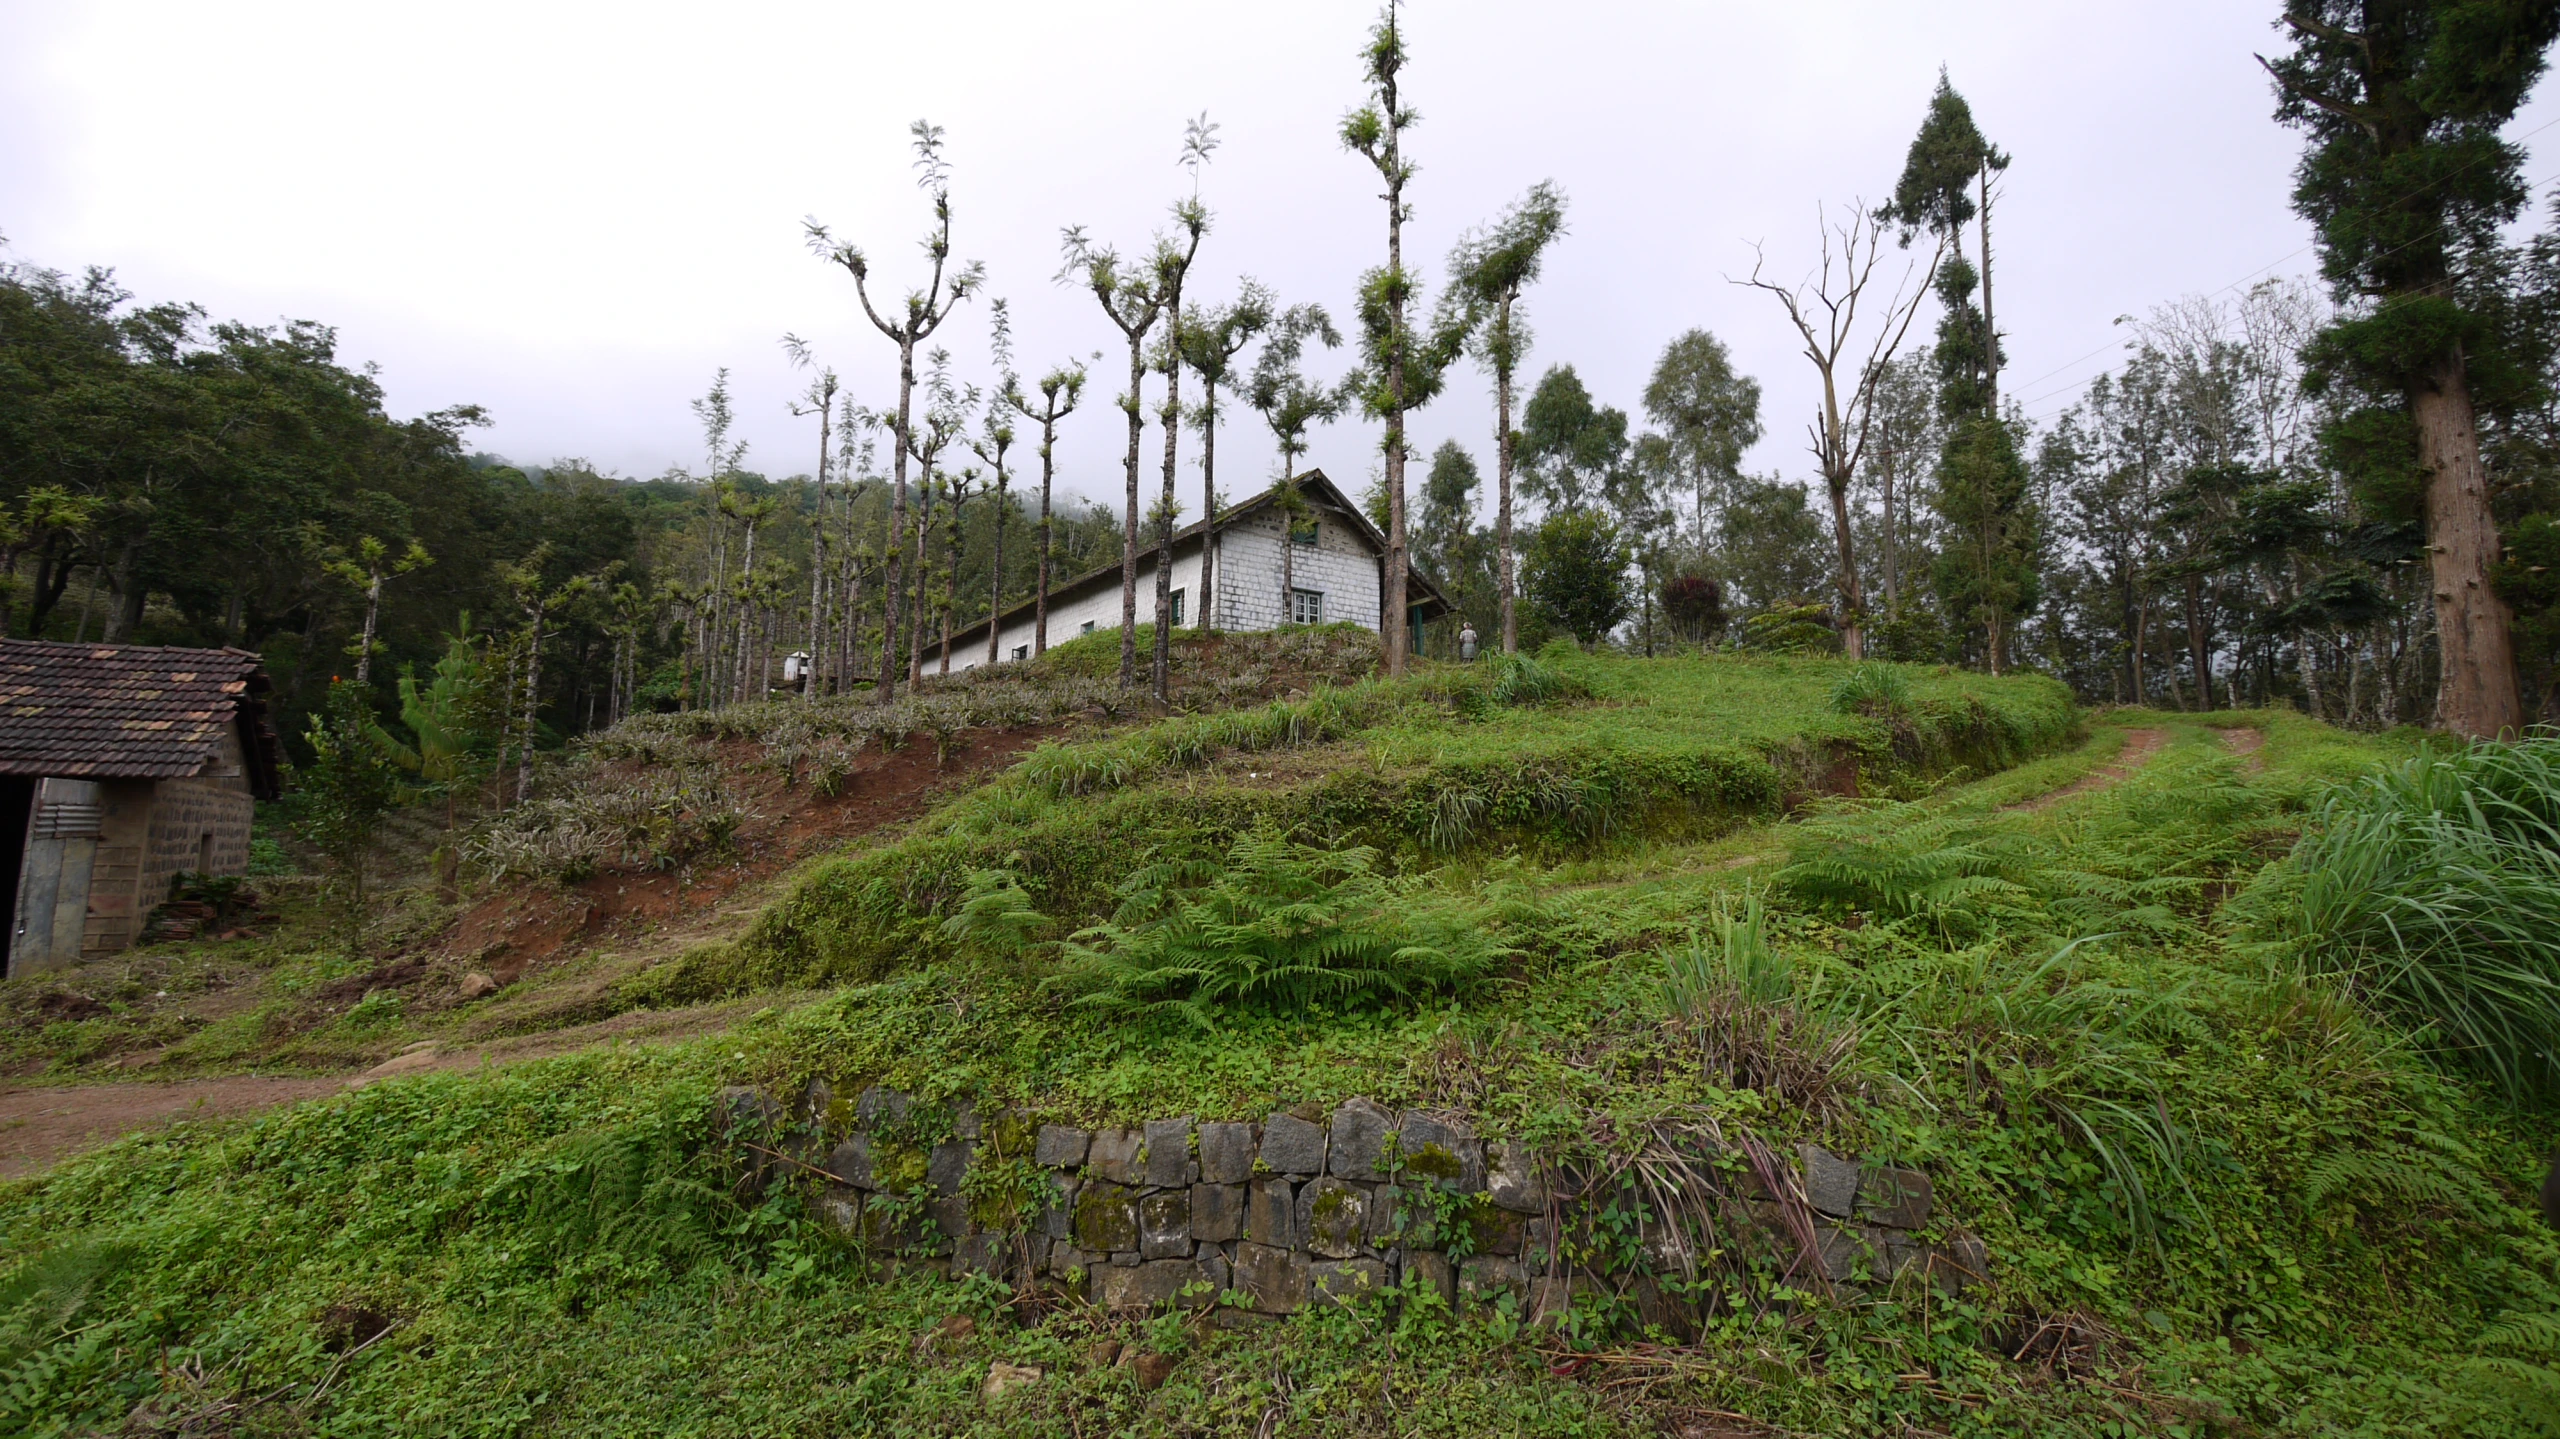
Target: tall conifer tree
<point>2407,180</point>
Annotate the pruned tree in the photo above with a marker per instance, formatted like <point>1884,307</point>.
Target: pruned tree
<point>1061,390</point>
<point>1173,266</point>
<point>366,571</point>
<point>1399,373</point>
<point>1132,300</point>
<point>1488,271</point>
<point>820,400</point>
<point>946,419</point>
<point>995,438</point>
<point>1211,340</point>
<point>1852,357</point>
<point>538,599</point>
<point>922,312</point>
<point>1289,403</point>
<point>964,487</point>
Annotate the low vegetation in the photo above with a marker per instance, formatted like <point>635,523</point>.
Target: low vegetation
<point>2224,1192</point>
<point>1560,755</point>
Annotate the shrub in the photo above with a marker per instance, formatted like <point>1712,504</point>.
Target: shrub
<point>1873,690</point>
<point>1279,927</point>
<point>2433,889</point>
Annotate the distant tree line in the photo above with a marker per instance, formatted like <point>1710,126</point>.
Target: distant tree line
<point>2338,497</point>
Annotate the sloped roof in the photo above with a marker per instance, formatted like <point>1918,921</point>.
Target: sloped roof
<point>1321,492</point>
<point>131,711</point>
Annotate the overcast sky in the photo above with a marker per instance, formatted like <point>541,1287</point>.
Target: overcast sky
<point>574,214</point>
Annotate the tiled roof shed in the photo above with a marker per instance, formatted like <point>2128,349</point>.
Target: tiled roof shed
<point>133,712</point>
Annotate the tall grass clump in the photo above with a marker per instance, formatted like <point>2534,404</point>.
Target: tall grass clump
<point>2433,889</point>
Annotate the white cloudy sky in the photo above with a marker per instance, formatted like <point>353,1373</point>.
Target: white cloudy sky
<point>572,214</point>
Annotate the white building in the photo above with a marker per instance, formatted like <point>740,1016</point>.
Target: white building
<point>1335,571</point>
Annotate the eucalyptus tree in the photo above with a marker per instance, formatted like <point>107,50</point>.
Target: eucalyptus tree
<point>922,312</point>
<point>1708,414</point>
<point>1132,299</point>
<point>1289,403</point>
<point>1397,377</point>
<point>1824,309</point>
<point>1061,390</point>
<point>1210,341</point>
<point>2407,180</point>
<point>1487,273</point>
<point>820,400</point>
<point>1573,452</point>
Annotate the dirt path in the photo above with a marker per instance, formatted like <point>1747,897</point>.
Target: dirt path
<point>39,1126</point>
<point>2139,746</point>
<point>2246,743</point>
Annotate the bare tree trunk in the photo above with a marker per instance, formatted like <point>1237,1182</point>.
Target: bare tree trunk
<point>1160,674</point>
<point>1853,636</point>
<point>372,610</point>
<point>1892,557</point>
<point>1209,510</point>
<point>532,697</point>
<point>995,565</point>
<point>126,612</point>
<point>1129,522</point>
<point>1048,545</point>
<point>951,572</point>
<point>1990,331</point>
<point>2199,653</point>
<point>915,630</point>
<point>2477,693</point>
<point>892,593</point>
<point>1289,558</point>
<point>1506,563</point>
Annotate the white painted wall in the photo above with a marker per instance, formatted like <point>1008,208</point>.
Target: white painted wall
<point>1340,566</point>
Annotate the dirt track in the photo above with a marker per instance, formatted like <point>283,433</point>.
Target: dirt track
<point>39,1126</point>
<point>2139,746</point>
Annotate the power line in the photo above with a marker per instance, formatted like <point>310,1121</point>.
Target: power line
<point>2252,276</point>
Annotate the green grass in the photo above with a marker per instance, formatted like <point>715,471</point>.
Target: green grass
<point>2260,1210</point>
<point>2433,889</point>
<point>1565,756</point>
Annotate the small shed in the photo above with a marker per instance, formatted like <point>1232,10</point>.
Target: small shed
<point>120,766</point>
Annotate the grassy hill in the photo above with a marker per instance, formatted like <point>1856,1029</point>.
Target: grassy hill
<point>2044,959</point>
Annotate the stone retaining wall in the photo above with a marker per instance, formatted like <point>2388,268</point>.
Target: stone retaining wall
<point>1305,1208</point>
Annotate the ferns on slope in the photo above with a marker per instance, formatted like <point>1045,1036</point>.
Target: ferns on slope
<point>1279,927</point>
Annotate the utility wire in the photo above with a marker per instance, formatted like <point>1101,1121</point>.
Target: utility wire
<point>2112,344</point>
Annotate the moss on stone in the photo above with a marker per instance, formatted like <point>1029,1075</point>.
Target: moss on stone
<point>1436,1162</point>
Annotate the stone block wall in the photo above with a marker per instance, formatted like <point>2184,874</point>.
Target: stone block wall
<point>1306,1207</point>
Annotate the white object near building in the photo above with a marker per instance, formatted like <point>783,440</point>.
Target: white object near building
<point>1335,571</point>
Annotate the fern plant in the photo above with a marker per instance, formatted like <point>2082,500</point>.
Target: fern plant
<point>1279,927</point>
